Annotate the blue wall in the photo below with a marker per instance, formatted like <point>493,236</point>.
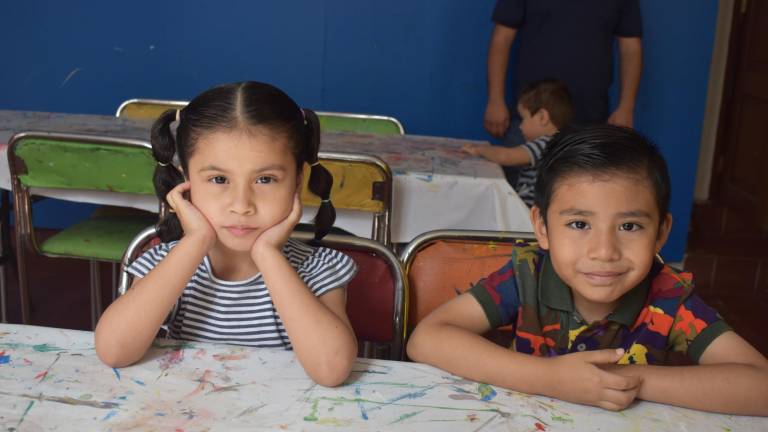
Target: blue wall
<point>421,63</point>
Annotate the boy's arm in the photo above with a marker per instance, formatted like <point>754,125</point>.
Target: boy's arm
<point>732,377</point>
<point>508,156</point>
<point>450,339</point>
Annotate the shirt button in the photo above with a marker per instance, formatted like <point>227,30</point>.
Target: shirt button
<point>581,347</point>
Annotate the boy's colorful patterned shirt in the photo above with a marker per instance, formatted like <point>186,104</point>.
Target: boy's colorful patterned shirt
<point>658,322</point>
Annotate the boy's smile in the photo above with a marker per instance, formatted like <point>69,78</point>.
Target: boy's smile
<point>602,233</point>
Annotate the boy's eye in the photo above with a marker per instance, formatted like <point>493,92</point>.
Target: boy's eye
<point>579,225</point>
<point>265,180</point>
<point>218,179</point>
<point>629,226</point>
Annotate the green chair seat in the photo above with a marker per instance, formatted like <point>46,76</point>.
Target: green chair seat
<point>103,238</point>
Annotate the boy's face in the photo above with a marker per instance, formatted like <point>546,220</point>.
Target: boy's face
<point>533,125</point>
<point>602,234</point>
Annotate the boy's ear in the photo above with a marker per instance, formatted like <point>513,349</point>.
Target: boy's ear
<point>539,227</point>
<point>543,117</point>
<point>664,229</point>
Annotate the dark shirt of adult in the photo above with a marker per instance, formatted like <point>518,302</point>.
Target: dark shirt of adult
<point>573,41</point>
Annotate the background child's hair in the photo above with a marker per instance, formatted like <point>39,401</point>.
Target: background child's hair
<point>602,150</point>
<point>551,95</point>
<point>231,107</point>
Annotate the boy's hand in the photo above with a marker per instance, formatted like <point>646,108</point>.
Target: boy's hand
<point>470,149</point>
<point>193,222</point>
<point>275,236</point>
<point>578,378</point>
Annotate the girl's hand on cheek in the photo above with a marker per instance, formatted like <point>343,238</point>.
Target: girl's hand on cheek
<point>274,237</point>
<point>193,222</point>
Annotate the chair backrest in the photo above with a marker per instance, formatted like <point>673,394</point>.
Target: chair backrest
<point>360,183</point>
<point>147,109</point>
<point>442,264</point>
<point>375,297</point>
<point>80,162</point>
<point>359,123</point>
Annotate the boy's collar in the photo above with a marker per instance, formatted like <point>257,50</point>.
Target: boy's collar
<point>555,294</point>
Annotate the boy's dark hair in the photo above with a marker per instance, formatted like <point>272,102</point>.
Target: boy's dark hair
<point>229,107</point>
<point>601,149</point>
<point>551,95</point>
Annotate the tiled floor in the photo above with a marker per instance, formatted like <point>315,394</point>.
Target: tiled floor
<point>735,283</point>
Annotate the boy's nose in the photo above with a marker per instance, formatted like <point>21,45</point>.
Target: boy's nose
<point>603,246</point>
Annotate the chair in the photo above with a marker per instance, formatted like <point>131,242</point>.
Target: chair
<point>360,183</point>
<point>376,296</point>
<point>440,265</point>
<point>359,123</point>
<point>146,109</point>
<point>84,163</point>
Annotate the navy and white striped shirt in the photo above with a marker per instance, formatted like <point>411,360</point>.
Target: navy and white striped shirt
<point>241,312</point>
<point>526,180</point>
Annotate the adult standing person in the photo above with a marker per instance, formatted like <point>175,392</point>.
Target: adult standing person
<point>571,41</point>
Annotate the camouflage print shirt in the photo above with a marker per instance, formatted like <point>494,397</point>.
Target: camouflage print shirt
<point>660,321</point>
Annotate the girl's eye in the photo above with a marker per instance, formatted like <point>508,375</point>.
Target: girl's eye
<point>629,226</point>
<point>265,180</point>
<point>578,225</point>
<point>218,179</point>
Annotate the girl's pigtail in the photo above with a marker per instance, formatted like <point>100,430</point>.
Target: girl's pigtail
<point>320,179</point>
<point>167,176</point>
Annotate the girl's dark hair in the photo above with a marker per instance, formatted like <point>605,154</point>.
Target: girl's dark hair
<point>601,150</point>
<point>229,107</point>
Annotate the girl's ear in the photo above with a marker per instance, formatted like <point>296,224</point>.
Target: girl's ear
<point>539,228</point>
<point>300,181</point>
<point>664,229</point>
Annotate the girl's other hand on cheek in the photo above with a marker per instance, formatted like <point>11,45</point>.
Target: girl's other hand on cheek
<point>274,237</point>
<point>193,222</point>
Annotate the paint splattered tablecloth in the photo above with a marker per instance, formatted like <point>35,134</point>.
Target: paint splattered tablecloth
<point>436,185</point>
<point>51,379</point>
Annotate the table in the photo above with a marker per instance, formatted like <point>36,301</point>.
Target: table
<point>51,379</point>
<point>435,186</point>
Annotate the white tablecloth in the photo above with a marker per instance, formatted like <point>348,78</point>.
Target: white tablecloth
<point>51,379</point>
<point>435,185</point>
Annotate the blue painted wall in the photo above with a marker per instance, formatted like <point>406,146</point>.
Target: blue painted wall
<point>420,61</point>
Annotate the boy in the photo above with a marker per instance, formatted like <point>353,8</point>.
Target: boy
<point>603,319</point>
<point>545,108</point>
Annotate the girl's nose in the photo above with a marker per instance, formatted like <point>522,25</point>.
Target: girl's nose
<point>242,202</point>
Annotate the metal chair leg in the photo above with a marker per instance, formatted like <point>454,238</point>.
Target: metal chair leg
<point>3,317</point>
<point>21,266</point>
<point>95,293</point>
<point>5,249</point>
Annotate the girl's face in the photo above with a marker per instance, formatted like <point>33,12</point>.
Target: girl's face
<point>602,234</point>
<point>243,181</point>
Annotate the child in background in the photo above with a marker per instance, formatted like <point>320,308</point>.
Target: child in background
<point>545,108</point>
<point>226,256</point>
<point>598,319</point>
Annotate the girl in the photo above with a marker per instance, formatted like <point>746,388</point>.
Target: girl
<point>234,274</point>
